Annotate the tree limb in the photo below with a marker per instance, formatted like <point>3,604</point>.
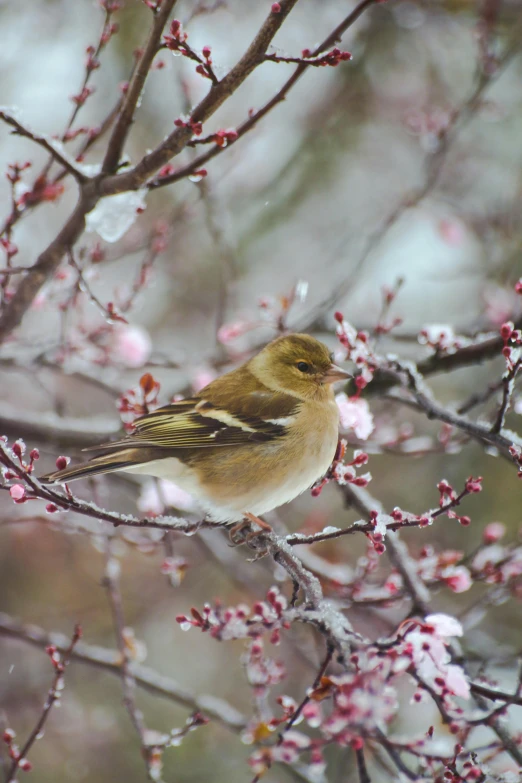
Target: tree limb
<point>109,660</point>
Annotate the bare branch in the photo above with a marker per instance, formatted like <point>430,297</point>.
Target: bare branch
<point>216,96</point>
<point>508,387</point>
<point>425,402</point>
<point>109,660</point>
<point>47,262</point>
<point>128,680</point>
<point>135,88</point>
<point>432,171</point>
<point>92,190</point>
<point>362,770</point>
<point>59,663</point>
<point>48,427</point>
<point>279,97</point>
<point>43,141</point>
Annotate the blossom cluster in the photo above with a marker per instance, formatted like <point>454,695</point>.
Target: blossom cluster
<point>355,705</point>
<point>241,622</point>
<point>356,347</point>
<point>139,400</point>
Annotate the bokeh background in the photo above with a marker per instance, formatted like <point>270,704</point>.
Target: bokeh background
<point>347,186</point>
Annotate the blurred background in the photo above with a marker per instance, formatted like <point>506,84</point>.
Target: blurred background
<point>403,164</point>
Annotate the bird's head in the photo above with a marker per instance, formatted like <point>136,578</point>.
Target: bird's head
<point>297,364</point>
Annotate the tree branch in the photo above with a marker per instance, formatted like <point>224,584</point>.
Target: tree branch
<point>433,167</point>
<point>93,189</point>
<point>362,770</point>
<point>48,144</point>
<point>110,661</point>
<point>64,431</point>
<point>216,96</point>
<point>279,97</point>
<point>412,381</point>
<point>20,757</point>
<point>135,88</point>
<point>48,261</point>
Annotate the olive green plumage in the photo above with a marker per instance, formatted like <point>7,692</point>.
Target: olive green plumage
<point>248,442</point>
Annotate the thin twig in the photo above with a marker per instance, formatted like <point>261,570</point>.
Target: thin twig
<point>320,674</point>
<point>52,697</point>
<point>52,147</point>
<point>395,756</point>
<point>93,189</point>
<point>135,88</point>
<point>397,551</point>
<point>279,97</point>
<point>508,384</point>
<point>128,680</point>
<point>145,677</point>
<point>433,169</point>
<point>497,695</point>
<point>412,380</point>
<point>362,770</point>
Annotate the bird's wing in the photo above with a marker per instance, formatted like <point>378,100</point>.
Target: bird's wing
<point>199,423</point>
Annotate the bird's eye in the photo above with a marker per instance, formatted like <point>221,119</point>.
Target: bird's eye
<point>303,367</point>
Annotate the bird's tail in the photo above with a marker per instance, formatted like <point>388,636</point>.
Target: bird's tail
<point>108,463</point>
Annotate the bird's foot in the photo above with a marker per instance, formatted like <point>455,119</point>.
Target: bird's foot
<point>242,532</point>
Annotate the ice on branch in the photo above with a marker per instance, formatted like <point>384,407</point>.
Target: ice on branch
<point>112,217</point>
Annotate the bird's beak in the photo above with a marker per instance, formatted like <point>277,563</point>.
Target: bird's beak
<point>335,373</point>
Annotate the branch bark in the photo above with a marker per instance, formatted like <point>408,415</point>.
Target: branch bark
<point>109,660</point>
<point>102,185</point>
<point>279,97</point>
<point>60,157</point>
<point>135,88</point>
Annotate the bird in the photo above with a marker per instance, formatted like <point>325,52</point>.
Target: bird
<point>248,442</point>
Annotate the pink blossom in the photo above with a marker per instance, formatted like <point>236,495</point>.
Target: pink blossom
<point>17,491</point>
<point>201,377</point>
<point>156,496</point>
<point>355,415</point>
<point>136,648</point>
<point>39,301</point>
<point>441,336</point>
<point>229,332</point>
<point>499,304</point>
<point>489,556</point>
<point>432,658</point>
<point>131,345</point>
<point>175,568</point>
<point>452,231</point>
<point>456,681</point>
<point>493,532</point>
<point>458,578</point>
<point>297,739</point>
<point>513,567</point>
<point>313,714</point>
<point>444,624</point>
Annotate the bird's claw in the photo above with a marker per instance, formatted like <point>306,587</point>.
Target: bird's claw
<point>242,533</point>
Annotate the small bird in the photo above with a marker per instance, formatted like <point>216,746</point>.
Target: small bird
<point>250,441</point>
